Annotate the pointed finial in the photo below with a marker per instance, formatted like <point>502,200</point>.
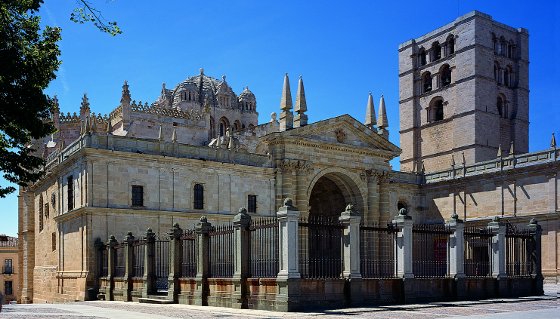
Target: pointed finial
<point>511,149</point>
<point>125,96</point>
<point>201,71</point>
<point>301,104</point>
<point>499,151</point>
<point>286,101</point>
<point>370,113</point>
<point>160,135</point>
<point>223,78</point>
<point>174,136</point>
<point>382,121</point>
<point>553,141</point>
<point>56,106</point>
<point>84,107</point>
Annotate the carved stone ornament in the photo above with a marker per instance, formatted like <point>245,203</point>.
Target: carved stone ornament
<point>340,135</point>
<point>53,200</point>
<point>298,166</point>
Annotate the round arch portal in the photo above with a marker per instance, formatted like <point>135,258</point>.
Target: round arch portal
<point>331,192</point>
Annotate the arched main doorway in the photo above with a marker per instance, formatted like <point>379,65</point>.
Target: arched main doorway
<point>322,237</point>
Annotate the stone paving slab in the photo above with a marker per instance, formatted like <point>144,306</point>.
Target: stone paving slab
<point>519,308</point>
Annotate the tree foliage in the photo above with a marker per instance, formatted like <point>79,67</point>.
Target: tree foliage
<point>28,62</point>
<point>85,12</point>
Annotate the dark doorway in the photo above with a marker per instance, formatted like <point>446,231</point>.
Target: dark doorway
<point>326,199</point>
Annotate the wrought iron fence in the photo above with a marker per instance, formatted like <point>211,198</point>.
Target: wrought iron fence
<point>161,255</point>
<point>222,243</point>
<point>264,248</point>
<point>430,250</point>
<point>320,247</point>
<point>189,261</point>
<point>138,252</point>
<point>119,260</point>
<point>519,249</point>
<point>378,258</point>
<point>478,252</point>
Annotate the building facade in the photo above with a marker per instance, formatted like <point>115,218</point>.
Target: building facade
<point>198,150</point>
<point>9,278</point>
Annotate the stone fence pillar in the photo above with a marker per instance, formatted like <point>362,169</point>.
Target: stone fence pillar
<point>111,258</point>
<point>241,223</point>
<point>456,247</point>
<point>175,259</point>
<point>128,260</point>
<point>288,277</point>
<point>149,264</point>
<point>404,244</point>
<point>202,229</point>
<point>535,255</point>
<point>350,219</point>
<point>498,256</point>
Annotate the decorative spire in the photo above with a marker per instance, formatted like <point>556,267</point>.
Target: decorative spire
<point>553,141</point>
<point>56,106</point>
<point>286,101</point>
<point>201,71</point>
<point>382,122</point>
<point>174,136</point>
<point>511,149</point>
<point>499,151</point>
<point>125,97</point>
<point>84,107</point>
<point>301,105</point>
<point>286,116</point>
<point>370,113</point>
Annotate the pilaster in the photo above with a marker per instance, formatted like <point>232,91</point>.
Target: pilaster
<point>241,223</point>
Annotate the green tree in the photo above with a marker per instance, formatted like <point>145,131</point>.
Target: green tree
<point>28,62</point>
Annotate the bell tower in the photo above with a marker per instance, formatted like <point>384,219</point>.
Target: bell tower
<point>464,91</point>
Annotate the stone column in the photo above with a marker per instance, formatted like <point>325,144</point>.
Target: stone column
<point>128,260</point>
<point>404,244</point>
<point>535,255</point>
<point>202,229</point>
<point>498,247</point>
<point>456,255</point>
<point>175,259</point>
<point>111,258</point>
<point>350,219</point>
<point>456,244</point>
<point>241,223</point>
<point>149,264</point>
<point>288,291</point>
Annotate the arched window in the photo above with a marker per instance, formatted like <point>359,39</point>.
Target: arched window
<point>497,71</point>
<point>445,75</point>
<point>506,76</point>
<point>198,202</point>
<point>41,212</point>
<point>236,125</point>
<point>502,47</point>
<point>422,57</point>
<point>435,111</point>
<point>426,82</point>
<point>436,51</point>
<point>450,45</point>
<point>511,50</point>
<point>223,126</point>
<point>495,43</point>
<point>501,106</point>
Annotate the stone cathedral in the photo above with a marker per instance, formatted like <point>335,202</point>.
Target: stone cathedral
<point>199,150</point>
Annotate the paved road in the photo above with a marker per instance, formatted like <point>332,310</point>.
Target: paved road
<point>547,306</point>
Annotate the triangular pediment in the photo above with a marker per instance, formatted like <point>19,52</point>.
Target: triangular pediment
<point>341,131</point>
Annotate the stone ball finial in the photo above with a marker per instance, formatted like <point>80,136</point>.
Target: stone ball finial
<point>496,219</point>
<point>273,117</point>
<point>350,207</point>
<point>176,225</point>
<point>242,210</point>
<point>533,221</point>
<point>403,212</point>
<point>454,215</point>
<point>129,233</point>
<point>112,237</point>
<point>203,219</point>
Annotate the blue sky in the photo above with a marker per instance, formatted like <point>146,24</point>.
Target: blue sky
<point>343,50</point>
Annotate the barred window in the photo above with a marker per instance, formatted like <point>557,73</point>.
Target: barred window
<point>137,195</point>
<point>198,196</point>
<point>70,185</point>
<point>53,241</point>
<point>8,290</point>
<point>252,203</point>
<point>8,266</point>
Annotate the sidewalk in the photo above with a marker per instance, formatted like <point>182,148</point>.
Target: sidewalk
<point>546,306</point>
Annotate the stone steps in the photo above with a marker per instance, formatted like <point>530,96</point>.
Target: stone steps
<point>156,299</point>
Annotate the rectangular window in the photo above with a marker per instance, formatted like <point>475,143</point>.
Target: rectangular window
<point>8,266</point>
<point>137,195</point>
<point>53,241</point>
<point>252,203</point>
<point>198,196</point>
<point>70,185</point>
<point>8,288</point>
